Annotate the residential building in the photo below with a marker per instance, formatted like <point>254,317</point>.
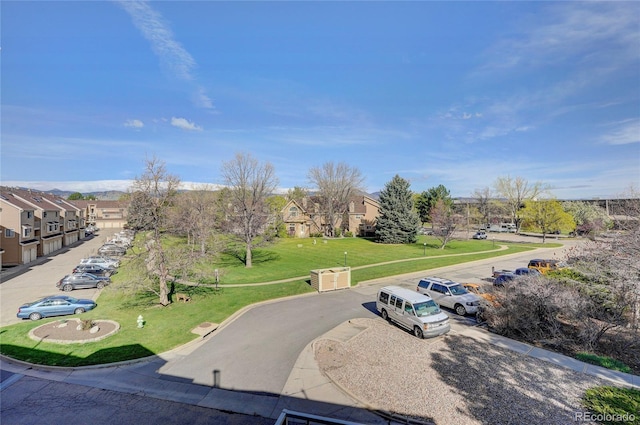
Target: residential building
<point>303,218</point>
<point>104,214</point>
<point>19,240</point>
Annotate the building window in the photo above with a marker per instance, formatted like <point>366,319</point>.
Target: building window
<point>29,214</point>
<point>9,233</point>
<point>293,212</point>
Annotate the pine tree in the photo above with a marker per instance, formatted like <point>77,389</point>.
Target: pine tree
<point>397,222</point>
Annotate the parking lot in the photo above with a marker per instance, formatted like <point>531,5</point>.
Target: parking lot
<point>18,287</point>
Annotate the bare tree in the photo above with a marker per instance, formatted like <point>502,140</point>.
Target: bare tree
<point>197,214</point>
<point>515,191</point>
<point>483,199</point>
<point>249,183</point>
<point>154,192</point>
<point>335,184</point>
<point>444,221</point>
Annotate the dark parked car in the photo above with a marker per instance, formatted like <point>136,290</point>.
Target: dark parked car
<point>525,271</point>
<point>94,269</point>
<point>504,278</point>
<point>58,305</point>
<point>81,281</point>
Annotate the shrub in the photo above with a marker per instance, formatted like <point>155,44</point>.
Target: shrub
<point>348,234</point>
<point>86,324</point>
<point>621,405</point>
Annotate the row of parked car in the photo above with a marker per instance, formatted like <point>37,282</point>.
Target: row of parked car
<point>118,244</point>
<point>92,272</point>
<point>420,313</point>
<point>536,267</point>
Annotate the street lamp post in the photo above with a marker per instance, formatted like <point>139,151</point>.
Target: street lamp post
<point>345,258</point>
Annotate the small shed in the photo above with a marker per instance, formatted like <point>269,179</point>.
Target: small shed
<point>331,279</point>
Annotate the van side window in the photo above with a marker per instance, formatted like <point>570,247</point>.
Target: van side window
<point>393,300</point>
<point>408,308</point>
<point>384,297</point>
<point>399,302</point>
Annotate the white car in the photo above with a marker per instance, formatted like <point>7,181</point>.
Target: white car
<point>105,262</point>
<point>449,294</point>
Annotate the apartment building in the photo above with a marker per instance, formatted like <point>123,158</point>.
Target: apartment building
<point>303,218</point>
<point>35,224</point>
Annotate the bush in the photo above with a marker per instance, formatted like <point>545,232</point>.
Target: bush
<point>348,234</point>
<point>532,308</point>
<point>621,405</point>
<point>603,361</point>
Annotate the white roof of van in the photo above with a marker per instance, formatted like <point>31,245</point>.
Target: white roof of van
<point>406,294</point>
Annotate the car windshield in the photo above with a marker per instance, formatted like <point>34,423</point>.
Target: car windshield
<point>426,308</point>
<point>457,290</point>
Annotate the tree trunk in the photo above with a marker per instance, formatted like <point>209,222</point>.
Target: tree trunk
<point>164,288</point>
<point>247,261</point>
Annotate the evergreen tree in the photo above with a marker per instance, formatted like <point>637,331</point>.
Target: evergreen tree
<point>397,222</point>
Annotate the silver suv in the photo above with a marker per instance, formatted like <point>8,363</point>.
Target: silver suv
<point>449,294</point>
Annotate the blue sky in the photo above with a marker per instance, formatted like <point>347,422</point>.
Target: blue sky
<point>452,93</point>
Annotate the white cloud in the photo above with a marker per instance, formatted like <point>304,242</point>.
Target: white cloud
<point>163,43</point>
<point>572,31</point>
<point>184,124</point>
<point>626,132</point>
<point>134,123</point>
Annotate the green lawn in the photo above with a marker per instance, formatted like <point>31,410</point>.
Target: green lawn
<point>296,257</point>
<point>169,327</point>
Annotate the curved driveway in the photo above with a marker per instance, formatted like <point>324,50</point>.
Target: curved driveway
<point>257,350</point>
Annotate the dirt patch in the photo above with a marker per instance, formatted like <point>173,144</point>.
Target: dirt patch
<point>67,331</point>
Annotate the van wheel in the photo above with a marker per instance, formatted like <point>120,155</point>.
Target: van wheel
<point>418,332</point>
<point>385,315</point>
<point>460,309</point>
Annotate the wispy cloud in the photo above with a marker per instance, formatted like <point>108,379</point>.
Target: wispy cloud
<point>572,31</point>
<point>623,133</point>
<point>134,123</point>
<point>172,55</point>
<point>184,124</point>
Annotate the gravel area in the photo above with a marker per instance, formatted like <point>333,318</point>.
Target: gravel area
<point>452,379</point>
<point>66,331</point>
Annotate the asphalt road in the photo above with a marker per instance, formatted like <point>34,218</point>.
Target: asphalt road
<point>257,351</point>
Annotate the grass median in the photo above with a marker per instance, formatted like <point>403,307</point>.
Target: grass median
<point>168,327</point>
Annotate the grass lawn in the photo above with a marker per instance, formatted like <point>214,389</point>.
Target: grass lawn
<point>296,257</point>
<point>169,327</point>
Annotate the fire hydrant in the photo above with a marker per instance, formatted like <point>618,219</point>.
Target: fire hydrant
<point>140,321</point>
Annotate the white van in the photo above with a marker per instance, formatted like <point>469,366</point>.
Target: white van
<point>413,311</point>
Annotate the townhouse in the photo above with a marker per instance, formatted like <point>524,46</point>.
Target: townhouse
<point>304,218</point>
<point>36,224</point>
<point>104,214</point>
